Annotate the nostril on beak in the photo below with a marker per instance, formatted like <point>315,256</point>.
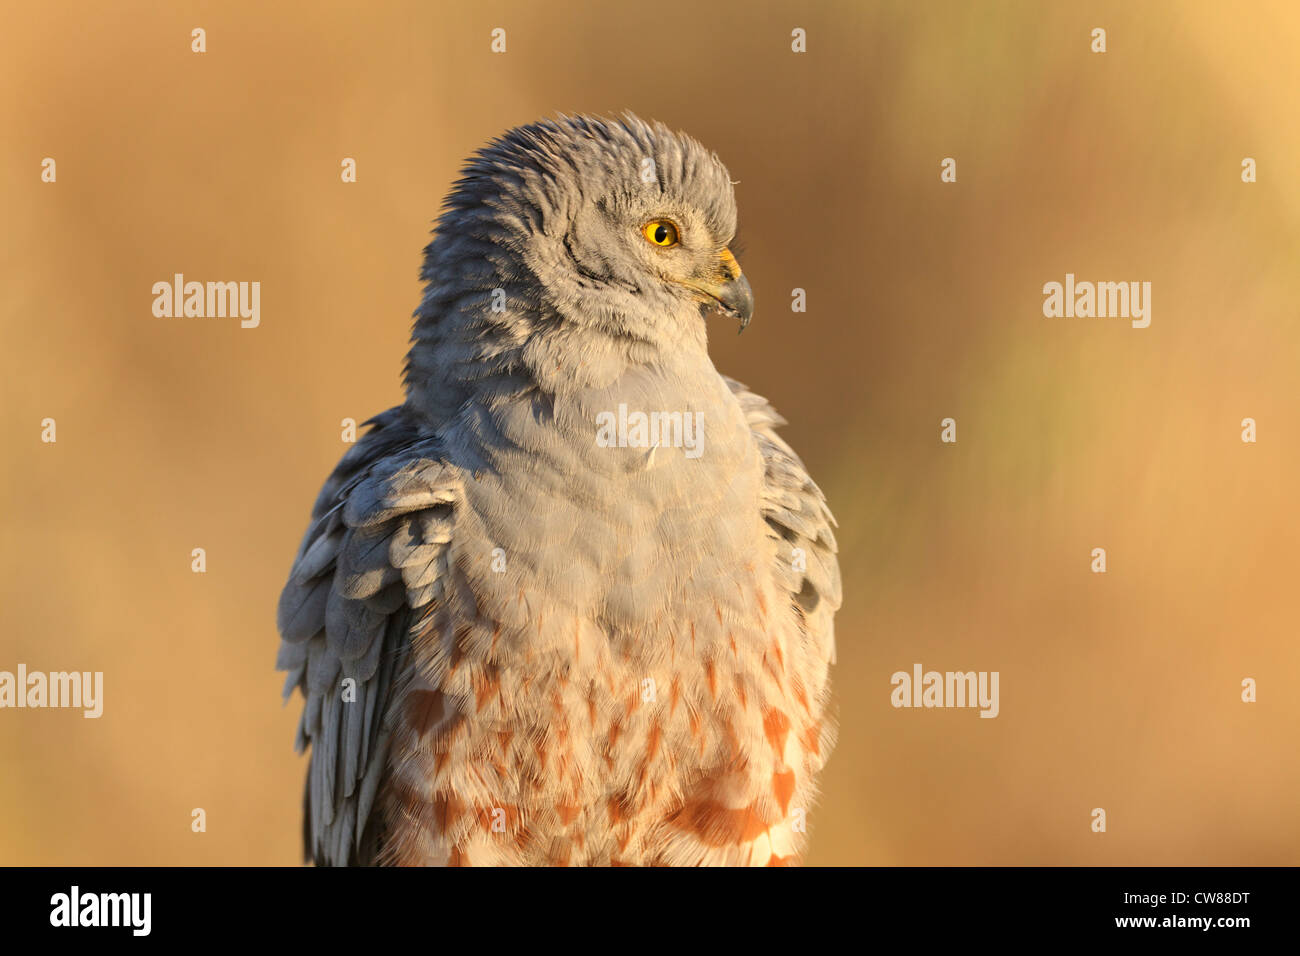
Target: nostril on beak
<point>730,267</point>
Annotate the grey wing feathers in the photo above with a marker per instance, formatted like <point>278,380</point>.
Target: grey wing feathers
<point>798,517</point>
<point>372,563</point>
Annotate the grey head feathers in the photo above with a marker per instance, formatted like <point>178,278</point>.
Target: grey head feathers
<point>540,250</point>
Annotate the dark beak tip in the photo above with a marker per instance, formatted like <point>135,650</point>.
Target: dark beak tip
<point>738,297</point>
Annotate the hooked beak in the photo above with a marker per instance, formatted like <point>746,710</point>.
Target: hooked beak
<point>731,291</point>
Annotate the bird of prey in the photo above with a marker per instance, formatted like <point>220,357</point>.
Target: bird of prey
<point>571,602</point>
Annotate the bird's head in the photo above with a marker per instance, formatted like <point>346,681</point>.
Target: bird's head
<point>620,226</point>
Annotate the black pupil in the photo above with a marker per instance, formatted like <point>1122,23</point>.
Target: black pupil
<point>661,234</point>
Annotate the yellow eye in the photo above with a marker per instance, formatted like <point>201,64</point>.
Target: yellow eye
<point>661,232</point>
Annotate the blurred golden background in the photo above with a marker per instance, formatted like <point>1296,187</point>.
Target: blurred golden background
<point>1119,691</point>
